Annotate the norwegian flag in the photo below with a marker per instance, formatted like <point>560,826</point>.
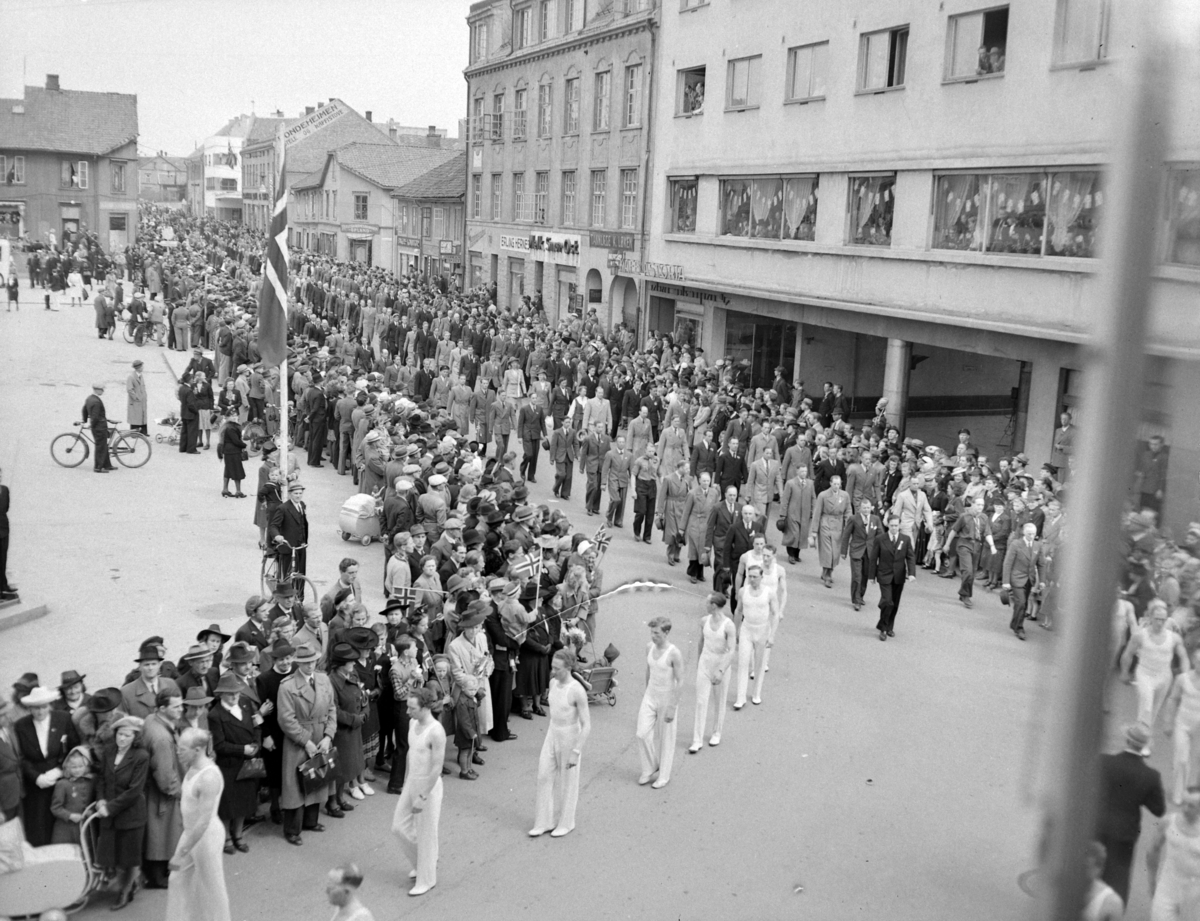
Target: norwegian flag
<point>405,595</point>
<point>602,538</point>
<point>530,567</point>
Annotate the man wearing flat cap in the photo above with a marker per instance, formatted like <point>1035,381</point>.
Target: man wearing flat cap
<point>96,419</point>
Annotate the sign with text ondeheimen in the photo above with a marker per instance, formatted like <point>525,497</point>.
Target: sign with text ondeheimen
<point>310,125</point>
<point>607,239</point>
<point>619,264</point>
<point>514,244</point>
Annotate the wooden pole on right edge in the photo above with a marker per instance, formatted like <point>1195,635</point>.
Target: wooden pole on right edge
<point>1113,375</point>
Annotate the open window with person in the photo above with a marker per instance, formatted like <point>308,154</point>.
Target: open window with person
<point>977,44</point>
<point>691,91</point>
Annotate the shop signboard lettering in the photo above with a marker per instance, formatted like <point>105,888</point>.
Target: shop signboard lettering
<point>359,230</point>
<point>555,248</point>
<point>412,242</point>
<point>607,239</point>
<point>514,244</point>
<point>688,294</point>
<point>618,264</point>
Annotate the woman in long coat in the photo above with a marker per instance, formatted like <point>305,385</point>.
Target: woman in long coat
<point>696,509</point>
<point>123,771</point>
<point>232,446</point>
<point>830,511</point>
<point>672,497</point>
<point>351,713</point>
<point>797,502</point>
<point>235,738</point>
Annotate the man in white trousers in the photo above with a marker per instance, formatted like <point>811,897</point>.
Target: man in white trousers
<point>656,718</point>
<point>757,617</point>
<point>558,766</point>
<point>415,823</point>
<point>718,642</point>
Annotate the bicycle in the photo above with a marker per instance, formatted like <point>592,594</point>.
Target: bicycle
<point>130,448</point>
<point>270,576</point>
<point>138,331</point>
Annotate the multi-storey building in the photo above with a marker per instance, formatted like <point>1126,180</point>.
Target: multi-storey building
<point>429,221</point>
<point>559,141</point>
<point>906,197</point>
<point>162,179</point>
<point>69,164</point>
<point>215,173</point>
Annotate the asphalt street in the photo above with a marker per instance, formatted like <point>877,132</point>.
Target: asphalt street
<point>877,780</point>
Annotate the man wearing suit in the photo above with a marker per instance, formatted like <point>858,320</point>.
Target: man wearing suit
<point>288,529</point>
<point>44,736</point>
<point>615,475</point>
<point>307,714</point>
<point>200,363</point>
<point>1127,784</point>
<point>857,537</point>
<point>704,456</point>
<point>562,455</point>
<point>593,451</point>
<point>730,469</point>
<point>723,517</point>
<point>504,654</point>
<point>10,765</point>
<point>254,631</point>
<point>97,420</point>
<point>892,557</point>
<point>560,403</point>
<point>139,697</point>
<point>316,411</point>
<point>1022,569</point>
<point>531,426</point>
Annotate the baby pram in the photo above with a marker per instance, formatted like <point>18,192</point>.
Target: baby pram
<point>57,877</point>
<point>175,424</point>
<point>359,519</point>
<point>598,676</point>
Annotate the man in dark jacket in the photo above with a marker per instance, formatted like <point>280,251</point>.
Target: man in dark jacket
<point>1127,784</point>
<point>531,426</point>
<point>730,467</point>
<point>97,420</point>
<point>891,556</point>
<point>504,652</point>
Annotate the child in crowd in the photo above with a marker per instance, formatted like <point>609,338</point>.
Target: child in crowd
<point>73,793</point>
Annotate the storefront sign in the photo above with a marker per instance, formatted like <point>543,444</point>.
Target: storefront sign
<point>514,244</point>
<point>321,118</point>
<point>619,264</point>
<point>473,238</point>
<point>556,248</point>
<point>411,242</point>
<point>450,248</point>
<point>606,239</point>
<point>359,230</point>
<point>688,294</point>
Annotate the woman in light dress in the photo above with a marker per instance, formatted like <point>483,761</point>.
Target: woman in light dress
<point>197,884</point>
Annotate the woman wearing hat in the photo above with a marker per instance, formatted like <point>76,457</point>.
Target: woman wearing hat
<point>352,706</point>
<point>230,449</point>
<point>72,693</point>
<point>366,641</point>
<point>95,721</point>
<point>234,725</point>
<point>45,737</point>
<point>122,806</point>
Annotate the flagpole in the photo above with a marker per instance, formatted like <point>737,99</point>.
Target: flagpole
<point>285,383</point>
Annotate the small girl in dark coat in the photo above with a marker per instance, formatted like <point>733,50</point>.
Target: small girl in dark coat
<point>231,447</point>
<point>72,795</point>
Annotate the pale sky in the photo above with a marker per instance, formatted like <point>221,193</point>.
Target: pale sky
<point>194,64</point>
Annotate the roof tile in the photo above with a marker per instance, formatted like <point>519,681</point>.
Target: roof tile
<point>72,121</point>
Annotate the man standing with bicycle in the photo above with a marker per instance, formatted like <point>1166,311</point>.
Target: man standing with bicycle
<point>97,420</point>
<point>287,532</point>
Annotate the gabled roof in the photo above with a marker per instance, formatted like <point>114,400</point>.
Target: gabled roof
<point>70,121</point>
<point>264,128</point>
<point>176,163</point>
<point>391,166</point>
<point>449,180</point>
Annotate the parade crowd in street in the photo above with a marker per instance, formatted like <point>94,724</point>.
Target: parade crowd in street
<point>441,408</point>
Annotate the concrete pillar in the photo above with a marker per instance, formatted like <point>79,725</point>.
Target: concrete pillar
<point>1021,413</point>
<point>895,380</point>
<point>799,346</point>
<point>1042,417</point>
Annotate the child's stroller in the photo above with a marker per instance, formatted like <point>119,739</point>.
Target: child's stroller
<point>598,677</point>
<point>175,424</point>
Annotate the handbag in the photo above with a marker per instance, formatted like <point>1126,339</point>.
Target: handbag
<point>252,769</point>
<point>245,454</point>
<point>315,771</point>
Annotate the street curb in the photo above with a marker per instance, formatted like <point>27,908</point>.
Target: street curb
<point>163,356</point>
<point>14,618</point>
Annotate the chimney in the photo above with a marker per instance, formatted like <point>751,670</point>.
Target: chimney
<point>368,114</point>
<point>433,131</point>
<point>392,132</point>
<point>52,82</point>
<point>308,110</point>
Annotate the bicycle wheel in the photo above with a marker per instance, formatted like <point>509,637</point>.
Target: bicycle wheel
<point>254,434</point>
<point>131,449</point>
<point>128,331</point>
<point>69,449</point>
<point>269,576</point>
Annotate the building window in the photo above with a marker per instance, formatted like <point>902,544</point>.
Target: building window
<point>636,6</point>
<point>629,199</point>
<point>572,106</point>
<point>210,183</point>
<point>735,207</point>
<point>633,96</point>
<point>690,92</point>
<point>541,191</point>
<point>692,4</point>
<point>227,185</point>
<point>497,126</point>
<point>602,100</point>
<point>806,69</point>
<point>427,223</point>
<point>360,206</point>
<point>545,110</point>
<point>568,198</point>
<point>74,174</point>
<point>976,44</point>
<point>769,207</point>
<point>523,203</point>
<point>546,20</point>
<point>1081,31</point>
<point>743,83</point>
<point>497,195</point>
<point>523,28</point>
<point>118,222</point>
<point>599,191</point>
<point>683,205</point>
<point>800,207</point>
<point>476,127</point>
<point>476,195</point>
<point>520,98</point>
<point>118,177</point>
<point>1034,214</point>
<point>439,222</point>
<point>479,41</point>
<point>881,59</point>
<point>1183,246</point>
<point>574,15</point>
<point>13,171</point>
<point>872,202</point>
